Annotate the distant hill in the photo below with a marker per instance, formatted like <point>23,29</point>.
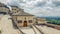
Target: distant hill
<point>53,20</point>
<point>57,18</point>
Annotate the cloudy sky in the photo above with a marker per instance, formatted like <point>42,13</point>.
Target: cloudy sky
<point>37,7</point>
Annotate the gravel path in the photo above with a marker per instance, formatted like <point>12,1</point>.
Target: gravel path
<point>27,30</point>
<point>48,30</point>
<point>36,30</point>
<point>6,26</point>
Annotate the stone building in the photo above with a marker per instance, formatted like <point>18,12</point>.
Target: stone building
<point>41,20</point>
<point>4,9</point>
<point>22,18</point>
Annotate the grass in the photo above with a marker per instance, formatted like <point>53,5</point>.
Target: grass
<point>54,21</point>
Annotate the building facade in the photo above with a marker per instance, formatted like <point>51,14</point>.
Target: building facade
<point>22,18</point>
<point>41,20</point>
<point>4,9</point>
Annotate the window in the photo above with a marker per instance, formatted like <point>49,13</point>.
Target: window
<point>14,9</point>
<point>19,21</point>
<point>17,11</point>
<point>30,21</point>
<point>3,13</point>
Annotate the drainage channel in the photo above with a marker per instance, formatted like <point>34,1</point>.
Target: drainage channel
<point>1,16</point>
<point>37,30</point>
<point>17,26</point>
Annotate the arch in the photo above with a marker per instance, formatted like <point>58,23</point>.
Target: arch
<point>25,24</point>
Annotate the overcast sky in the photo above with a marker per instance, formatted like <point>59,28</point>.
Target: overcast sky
<point>37,7</point>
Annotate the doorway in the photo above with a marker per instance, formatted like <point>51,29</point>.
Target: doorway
<point>25,24</point>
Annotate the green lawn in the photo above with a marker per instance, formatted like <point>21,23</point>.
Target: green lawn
<point>53,21</point>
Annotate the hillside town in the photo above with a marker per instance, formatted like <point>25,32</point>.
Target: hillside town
<point>17,21</point>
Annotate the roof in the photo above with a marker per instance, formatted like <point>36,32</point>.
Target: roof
<point>3,5</point>
<point>23,14</point>
<point>14,6</point>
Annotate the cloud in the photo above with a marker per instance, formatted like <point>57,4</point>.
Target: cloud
<point>56,3</point>
<point>40,4</point>
<point>46,8</point>
<point>5,1</point>
<point>45,12</point>
<point>38,7</point>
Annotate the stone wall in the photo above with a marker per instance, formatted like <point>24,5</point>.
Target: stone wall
<point>23,18</point>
